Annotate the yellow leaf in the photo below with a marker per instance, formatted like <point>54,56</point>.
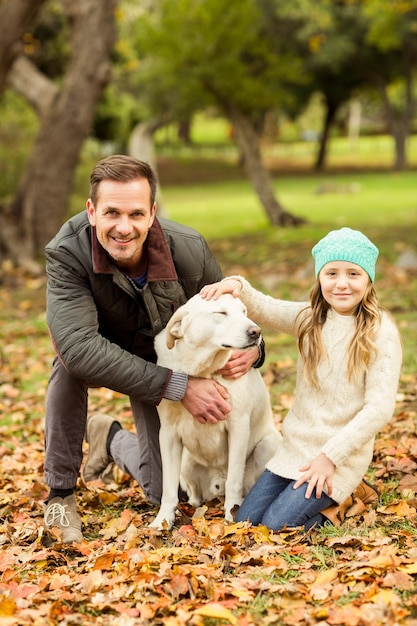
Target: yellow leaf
<point>386,558</point>
<point>326,576</point>
<point>107,498</point>
<point>400,508</point>
<point>216,611</point>
<point>411,568</point>
<point>7,607</point>
<point>117,525</point>
<point>244,595</point>
<point>386,596</point>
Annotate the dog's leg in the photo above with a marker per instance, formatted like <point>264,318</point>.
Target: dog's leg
<point>171,451</point>
<point>259,457</point>
<point>238,446</point>
<point>192,476</point>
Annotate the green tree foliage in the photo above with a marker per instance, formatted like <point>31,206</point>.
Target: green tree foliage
<point>18,129</point>
<point>48,43</point>
<point>393,32</point>
<point>195,53</point>
<point>351,46</point>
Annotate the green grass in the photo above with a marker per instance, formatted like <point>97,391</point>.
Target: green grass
<point>224,209</point>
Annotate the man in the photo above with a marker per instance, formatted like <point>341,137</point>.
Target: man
<point>115,275</point>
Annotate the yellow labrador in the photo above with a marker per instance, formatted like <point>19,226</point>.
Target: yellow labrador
<point>227,457</point>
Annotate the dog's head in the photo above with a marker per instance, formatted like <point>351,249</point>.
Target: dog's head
<point>221,323</point>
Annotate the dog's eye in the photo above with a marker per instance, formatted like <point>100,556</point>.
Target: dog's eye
<point>221,312</point>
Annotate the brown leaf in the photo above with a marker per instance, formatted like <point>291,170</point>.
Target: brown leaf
<point>409,482</point>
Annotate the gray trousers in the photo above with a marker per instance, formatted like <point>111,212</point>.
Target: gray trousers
<point>65,423</point>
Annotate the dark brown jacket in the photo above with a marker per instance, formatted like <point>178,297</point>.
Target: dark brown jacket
<point>102,327</point>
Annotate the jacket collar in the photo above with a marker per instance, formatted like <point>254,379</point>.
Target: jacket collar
<point>160,263</point>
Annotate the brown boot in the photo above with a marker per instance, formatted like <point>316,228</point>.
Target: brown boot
<point>336,513</point>
<point>363,495</point>
<point>366,492</point>
<point>98,464</point>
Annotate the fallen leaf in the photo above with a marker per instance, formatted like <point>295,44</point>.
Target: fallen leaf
<point>216,611</point>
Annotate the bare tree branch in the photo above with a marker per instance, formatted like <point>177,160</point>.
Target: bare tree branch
<point>38,90</point>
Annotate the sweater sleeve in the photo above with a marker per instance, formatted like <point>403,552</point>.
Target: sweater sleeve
<point>281,315</point>
<point>380,395</point>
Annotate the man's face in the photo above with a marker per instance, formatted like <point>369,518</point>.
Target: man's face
<point>123,216</point>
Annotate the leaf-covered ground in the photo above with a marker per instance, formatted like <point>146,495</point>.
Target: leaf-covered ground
<point>363,573</point>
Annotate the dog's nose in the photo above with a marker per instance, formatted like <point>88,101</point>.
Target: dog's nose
<point>254,332</point>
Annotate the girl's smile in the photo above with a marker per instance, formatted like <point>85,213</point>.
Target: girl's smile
<point>343,285</point>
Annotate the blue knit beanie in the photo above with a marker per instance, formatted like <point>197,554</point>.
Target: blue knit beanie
<point>346,245</point>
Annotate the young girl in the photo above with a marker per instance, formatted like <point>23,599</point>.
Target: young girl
<point>347,376</point>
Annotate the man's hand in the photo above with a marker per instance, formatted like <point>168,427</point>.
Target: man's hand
<point>239,363</point>
<point>317,473</point>
<point>206,399</point>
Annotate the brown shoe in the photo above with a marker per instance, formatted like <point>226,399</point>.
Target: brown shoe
<point>62,513</point>
<point>363,495</point>
<point>99,465</point>
<point>366,492</point>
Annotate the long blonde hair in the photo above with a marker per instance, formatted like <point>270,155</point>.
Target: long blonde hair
<point>362,347</point>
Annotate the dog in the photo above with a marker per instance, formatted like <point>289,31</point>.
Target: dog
<point>225,458</point>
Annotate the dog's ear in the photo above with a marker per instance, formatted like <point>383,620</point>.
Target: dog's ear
<point>173,328</point>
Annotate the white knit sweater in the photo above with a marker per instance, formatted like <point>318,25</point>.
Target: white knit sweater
<point>342,418</point>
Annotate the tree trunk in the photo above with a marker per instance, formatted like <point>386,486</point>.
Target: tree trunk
<point>331,110</point>
<point>400,141</point>
<point>399,122</point>
<point>184,131</point>
<point>15,18</point>
<point>248,142</point>
<point>41,202</point>
<point>141,146</point>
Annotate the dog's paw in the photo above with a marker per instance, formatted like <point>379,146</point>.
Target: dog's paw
<point>195,501</point>
<point>231,510</point>
<point>230,516</point>
<point>163,522</point>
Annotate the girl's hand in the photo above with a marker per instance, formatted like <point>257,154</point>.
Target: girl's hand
<point>317,474</point>
<point>228,285</point>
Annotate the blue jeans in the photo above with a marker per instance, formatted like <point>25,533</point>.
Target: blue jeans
<point>275,503</point>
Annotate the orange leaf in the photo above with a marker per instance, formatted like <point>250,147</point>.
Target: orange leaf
<point>179,586</point>
<point>105,561</point>
<point>399,580</point>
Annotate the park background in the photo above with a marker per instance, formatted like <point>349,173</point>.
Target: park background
<point>269,123</point>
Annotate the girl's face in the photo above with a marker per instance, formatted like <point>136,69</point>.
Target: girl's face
<point>343,285</point>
